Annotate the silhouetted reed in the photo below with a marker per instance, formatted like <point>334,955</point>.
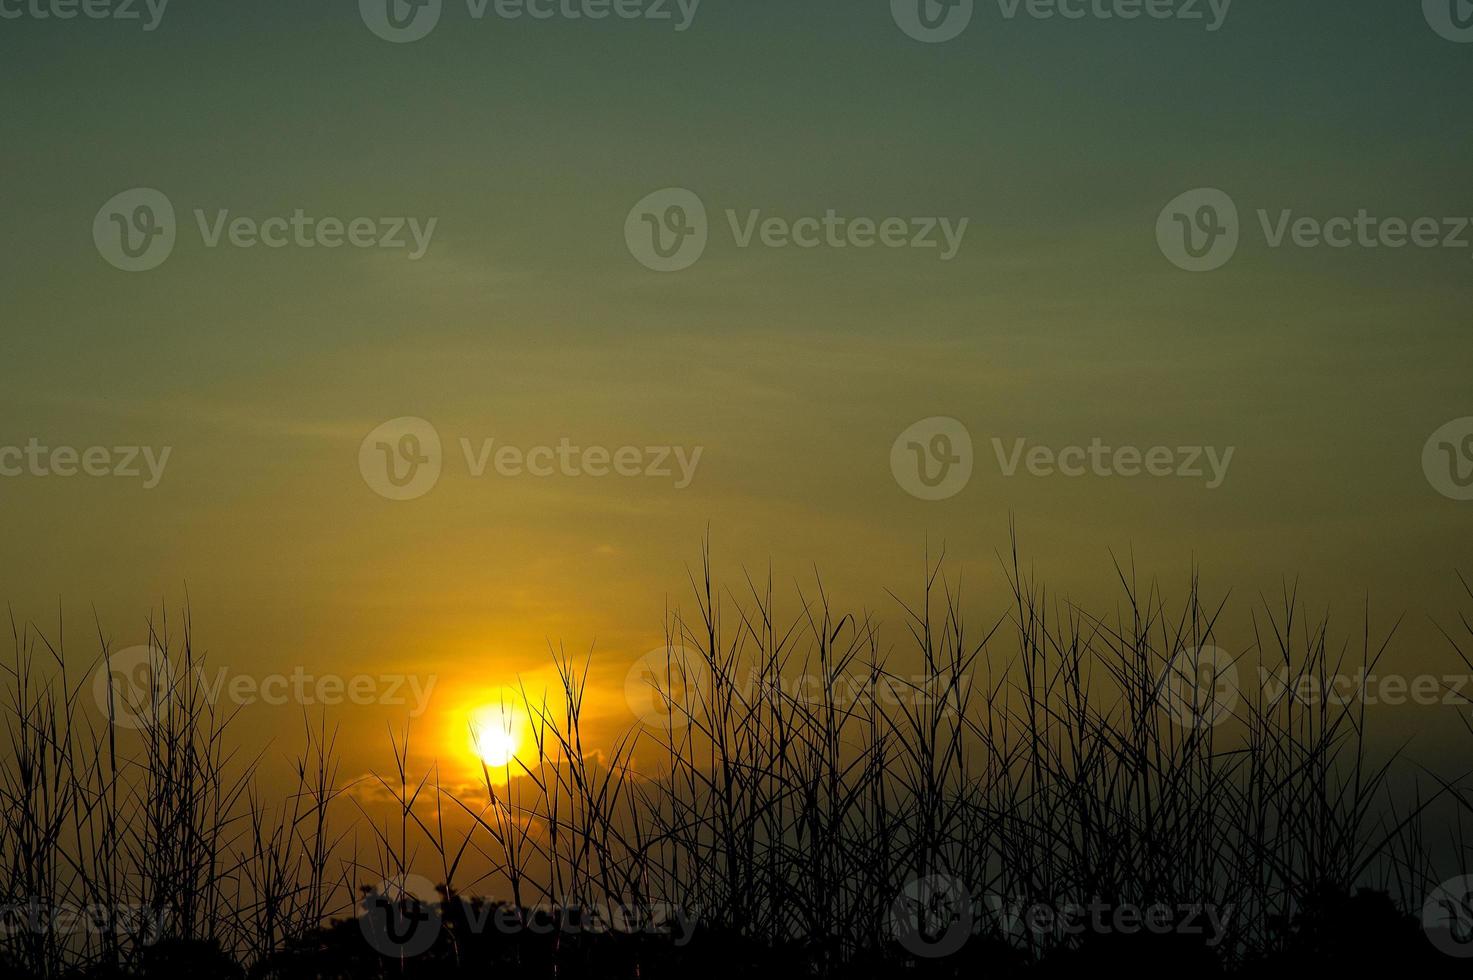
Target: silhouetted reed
<point>915,781</point>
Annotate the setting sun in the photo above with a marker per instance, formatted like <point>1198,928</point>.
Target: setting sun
<point>494,735</point>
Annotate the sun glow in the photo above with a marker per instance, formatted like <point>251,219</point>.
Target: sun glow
<point>494,735</point>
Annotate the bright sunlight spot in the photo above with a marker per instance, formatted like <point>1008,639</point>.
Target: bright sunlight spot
<point>494,735</point>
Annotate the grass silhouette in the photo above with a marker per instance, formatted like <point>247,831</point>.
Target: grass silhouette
<point>1050,791</point>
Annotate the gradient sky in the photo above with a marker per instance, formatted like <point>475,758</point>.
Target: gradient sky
<point>528,320</point>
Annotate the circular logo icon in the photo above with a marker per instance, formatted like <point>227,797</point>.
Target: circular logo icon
<point>932,459</point>
<point>1198,231</point>
<point>400,21</point>
<point>131,686</point>
<point>400,916</point>
<point>135,230</point>
<point>401,459</point>
<point>1200,687</point>
<point>932,21</point>
<point>1451,19</point>
<point>667,231</point>
<point>665,687</point>
<point>932,916</point>
<point>1447,459</point>
<point>1447,917</point>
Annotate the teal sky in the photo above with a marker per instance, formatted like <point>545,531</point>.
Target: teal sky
<point>529,321</point>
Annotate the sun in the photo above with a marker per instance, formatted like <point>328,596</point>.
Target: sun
<point>493,730</point>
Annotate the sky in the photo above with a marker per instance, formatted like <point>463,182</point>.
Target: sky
<point>532,154</point>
